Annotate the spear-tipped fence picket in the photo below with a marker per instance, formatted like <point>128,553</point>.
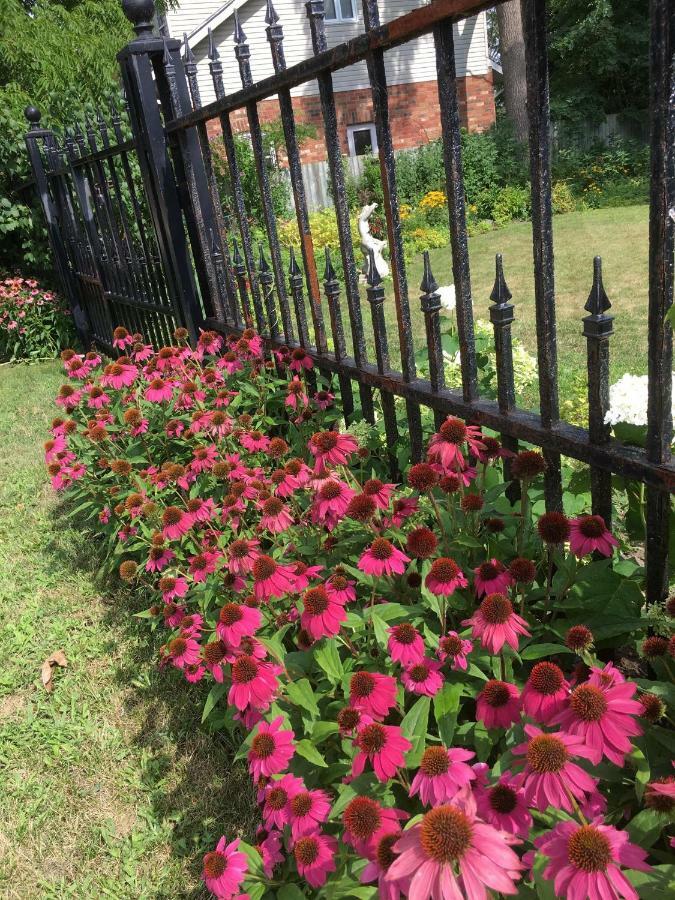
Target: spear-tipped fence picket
<point>141,236</point>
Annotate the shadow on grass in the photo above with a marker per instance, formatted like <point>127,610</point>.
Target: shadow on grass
<point>189,775</point>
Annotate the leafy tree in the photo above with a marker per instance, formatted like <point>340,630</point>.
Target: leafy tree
<point>60,57</point>
<point>599,57</point>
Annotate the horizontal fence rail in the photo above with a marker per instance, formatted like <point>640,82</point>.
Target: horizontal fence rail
<point>166,241</point>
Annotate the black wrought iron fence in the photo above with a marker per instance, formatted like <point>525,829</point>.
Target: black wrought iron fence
<point>191,264</point>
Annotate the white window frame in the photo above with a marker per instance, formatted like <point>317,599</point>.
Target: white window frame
<point>338,20</point>
<point>361,127</point>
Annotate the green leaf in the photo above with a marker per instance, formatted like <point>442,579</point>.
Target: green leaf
<point>301,693</point>
<point>446,707</point>
<point>536,651</point>
<point>645,828</point>
<point>642,771</point>
<point>323,730</point>
<point>328,658</point>
<point>253,857</point>
<point>274,644</point>
<point>381,633</point>
<point>214,695</point>
<point>307,750</point>
<point>414,727</point>
<point>656,884</point>
<point>290,892</point>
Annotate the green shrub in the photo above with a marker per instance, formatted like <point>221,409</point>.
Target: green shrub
<point>511,203</point>
<point>562,198</point>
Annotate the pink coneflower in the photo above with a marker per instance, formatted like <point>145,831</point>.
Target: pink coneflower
<point>299,359</point>
<point>269,847</point>
<point>382,558</point>
<point>241,554</point>
<point>442,773</point>
<point>545,692</point>
<point>215,657</point>
<point>254,441</point>
<point>452,854</point>
<point>172,588</point>
<point>331,448</point>
<point>322,615</point>
<point>201,510</point>
<point>341,587</point>
<point>254,683</point>
<point>158,559</point>
<point>315,857</point>
<point>365,821</point>
<point>307,810</point>
<point>331,502</point>
<point>275,797</point>
<point>224,869</point>
<point>423,677</point>
<point>175,523</point>
<point>492,578</point>
<point>496,624</point>
<point>237,621</point>
<point>502,805</point>
<point>379,492</point>
<point>159,391</point>
<point>402,509</point>
<point>303,574</point>
<point>550,776</point>
<point>372,693</point>
<point>405,644</point>
<point>193,674</point>
<point>589,534</point>
<point>381,745</point>
<point>204,458</point>
<point>271,749</point>
<point>183,651</point>
<point>296,395</point>
<point>455,649</point>
<point>270,578</point>
<point>192,625</point>
<point>603,717</point>
<point>585,861</point>
<point>324,399</point>
<point>203,564</point>
<point>122,338</point>
<point>382,857</point>
<point>97,398</point>
<point>445,445</point>
<point>118,375</point>
<point>445,577</point>
<point>276,516</point>
<point>498,704</point>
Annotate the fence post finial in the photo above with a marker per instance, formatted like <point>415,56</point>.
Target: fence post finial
<point>429,284</point>
<point>141,14</point>
<point>598,301</point>
<point>213,50</point>
<point>329,271</point>
<point>239,36</point>
<point>271,15</point>
<point>33,116</point>
<point>373,276</point>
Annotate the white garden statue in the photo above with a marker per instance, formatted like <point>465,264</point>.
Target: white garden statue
<point>368,243</point>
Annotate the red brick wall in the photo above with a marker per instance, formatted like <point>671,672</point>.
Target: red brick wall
<point>413,109</point>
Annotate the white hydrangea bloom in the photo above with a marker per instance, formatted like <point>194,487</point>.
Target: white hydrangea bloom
<point>628,400</point>
<point>448,298</point>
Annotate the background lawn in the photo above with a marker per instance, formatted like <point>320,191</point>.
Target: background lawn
<point>618,235</point>
<point>108,787</point>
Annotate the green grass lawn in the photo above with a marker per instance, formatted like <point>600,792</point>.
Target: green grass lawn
<point>619,236</point>
<point>107,786</point>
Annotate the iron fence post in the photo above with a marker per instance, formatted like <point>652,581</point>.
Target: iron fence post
<point>61,260</point>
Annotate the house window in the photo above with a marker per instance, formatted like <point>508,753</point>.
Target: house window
<point>361,139</point>
<point>340,10</point>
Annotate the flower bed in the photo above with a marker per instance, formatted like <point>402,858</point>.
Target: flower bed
<point>438,695</point>
<point>34,323</point>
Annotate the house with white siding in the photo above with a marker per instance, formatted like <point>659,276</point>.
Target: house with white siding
<point>411,69</point>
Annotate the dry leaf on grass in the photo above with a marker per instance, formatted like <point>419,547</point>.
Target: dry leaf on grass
<point>56,659</point>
